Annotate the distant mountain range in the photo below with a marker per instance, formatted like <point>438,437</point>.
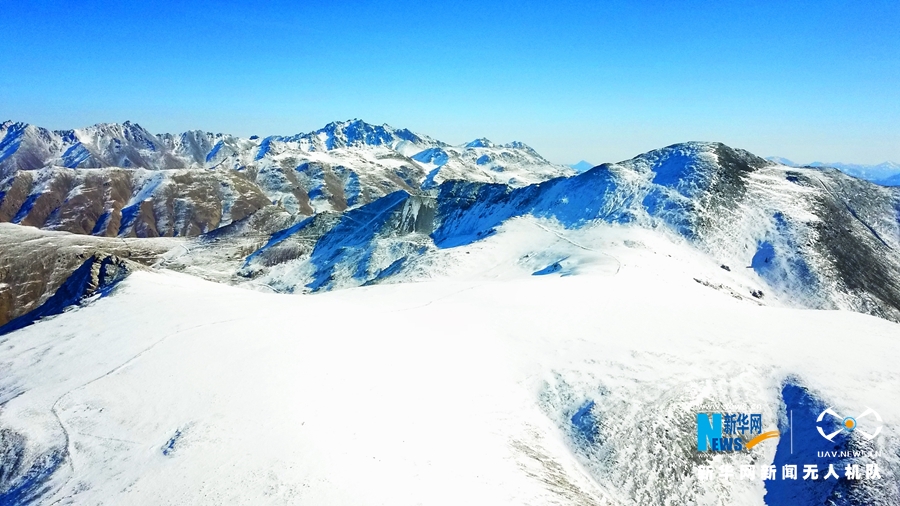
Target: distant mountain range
<point>121,180</point>
<point>885,173</point>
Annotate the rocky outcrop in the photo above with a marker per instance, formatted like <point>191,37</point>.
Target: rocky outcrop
<point>96,276</point>
<point>34,264</point>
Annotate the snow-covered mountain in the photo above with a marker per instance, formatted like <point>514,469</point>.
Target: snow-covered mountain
<point>582,166</point>
<point>191,183</point>
<point>798,236</point>
<point>886,173</point>
<point>545,337</point>
<point>789,236</point>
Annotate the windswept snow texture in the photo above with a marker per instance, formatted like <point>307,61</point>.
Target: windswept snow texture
<point>214,151</point>
<point>763,260</point>
<point>550,269</point>
<point>102,223</point>
<point>75,156</point>
<point>436,156</point>
<point>11,141</point>
<point>128,216</point>
<point>26,207</point>
<point>388,271</point>
<point>351,185</point>
<point>812,238</point>
<point>429,182</point>
<point>584,423</point>
<point>169,447</point>
<point>28,487</point>
<point>677,178</point>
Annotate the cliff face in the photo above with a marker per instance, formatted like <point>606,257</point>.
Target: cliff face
<point>34,264</point>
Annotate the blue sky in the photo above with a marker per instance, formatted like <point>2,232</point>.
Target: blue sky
<point>603,81</point>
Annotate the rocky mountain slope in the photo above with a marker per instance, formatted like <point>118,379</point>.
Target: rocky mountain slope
<point>35,264</point>
<point>119,180</point>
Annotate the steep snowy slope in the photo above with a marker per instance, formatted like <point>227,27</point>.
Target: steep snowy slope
<point>807,237</point>
<point>496,387</point>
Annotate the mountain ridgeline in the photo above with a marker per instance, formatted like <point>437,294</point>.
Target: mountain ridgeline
<point>122,181</point>
<point>354,204</point>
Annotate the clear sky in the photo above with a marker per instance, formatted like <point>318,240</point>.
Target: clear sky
<point>598,80</point>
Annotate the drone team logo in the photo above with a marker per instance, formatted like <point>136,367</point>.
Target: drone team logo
<point>849,424</point>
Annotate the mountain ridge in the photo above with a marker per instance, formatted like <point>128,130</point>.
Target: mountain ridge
<point>801,233</point>
<point>45,175</point>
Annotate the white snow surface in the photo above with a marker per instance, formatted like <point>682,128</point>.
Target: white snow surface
<point>453,390</point>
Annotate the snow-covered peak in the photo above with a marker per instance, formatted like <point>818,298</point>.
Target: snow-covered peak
<point>480,143</point>
<point>6,125</point>
<point>127,133</point>
<point>518,145</point>
<point>343,164</point>
<point>357,133</point>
